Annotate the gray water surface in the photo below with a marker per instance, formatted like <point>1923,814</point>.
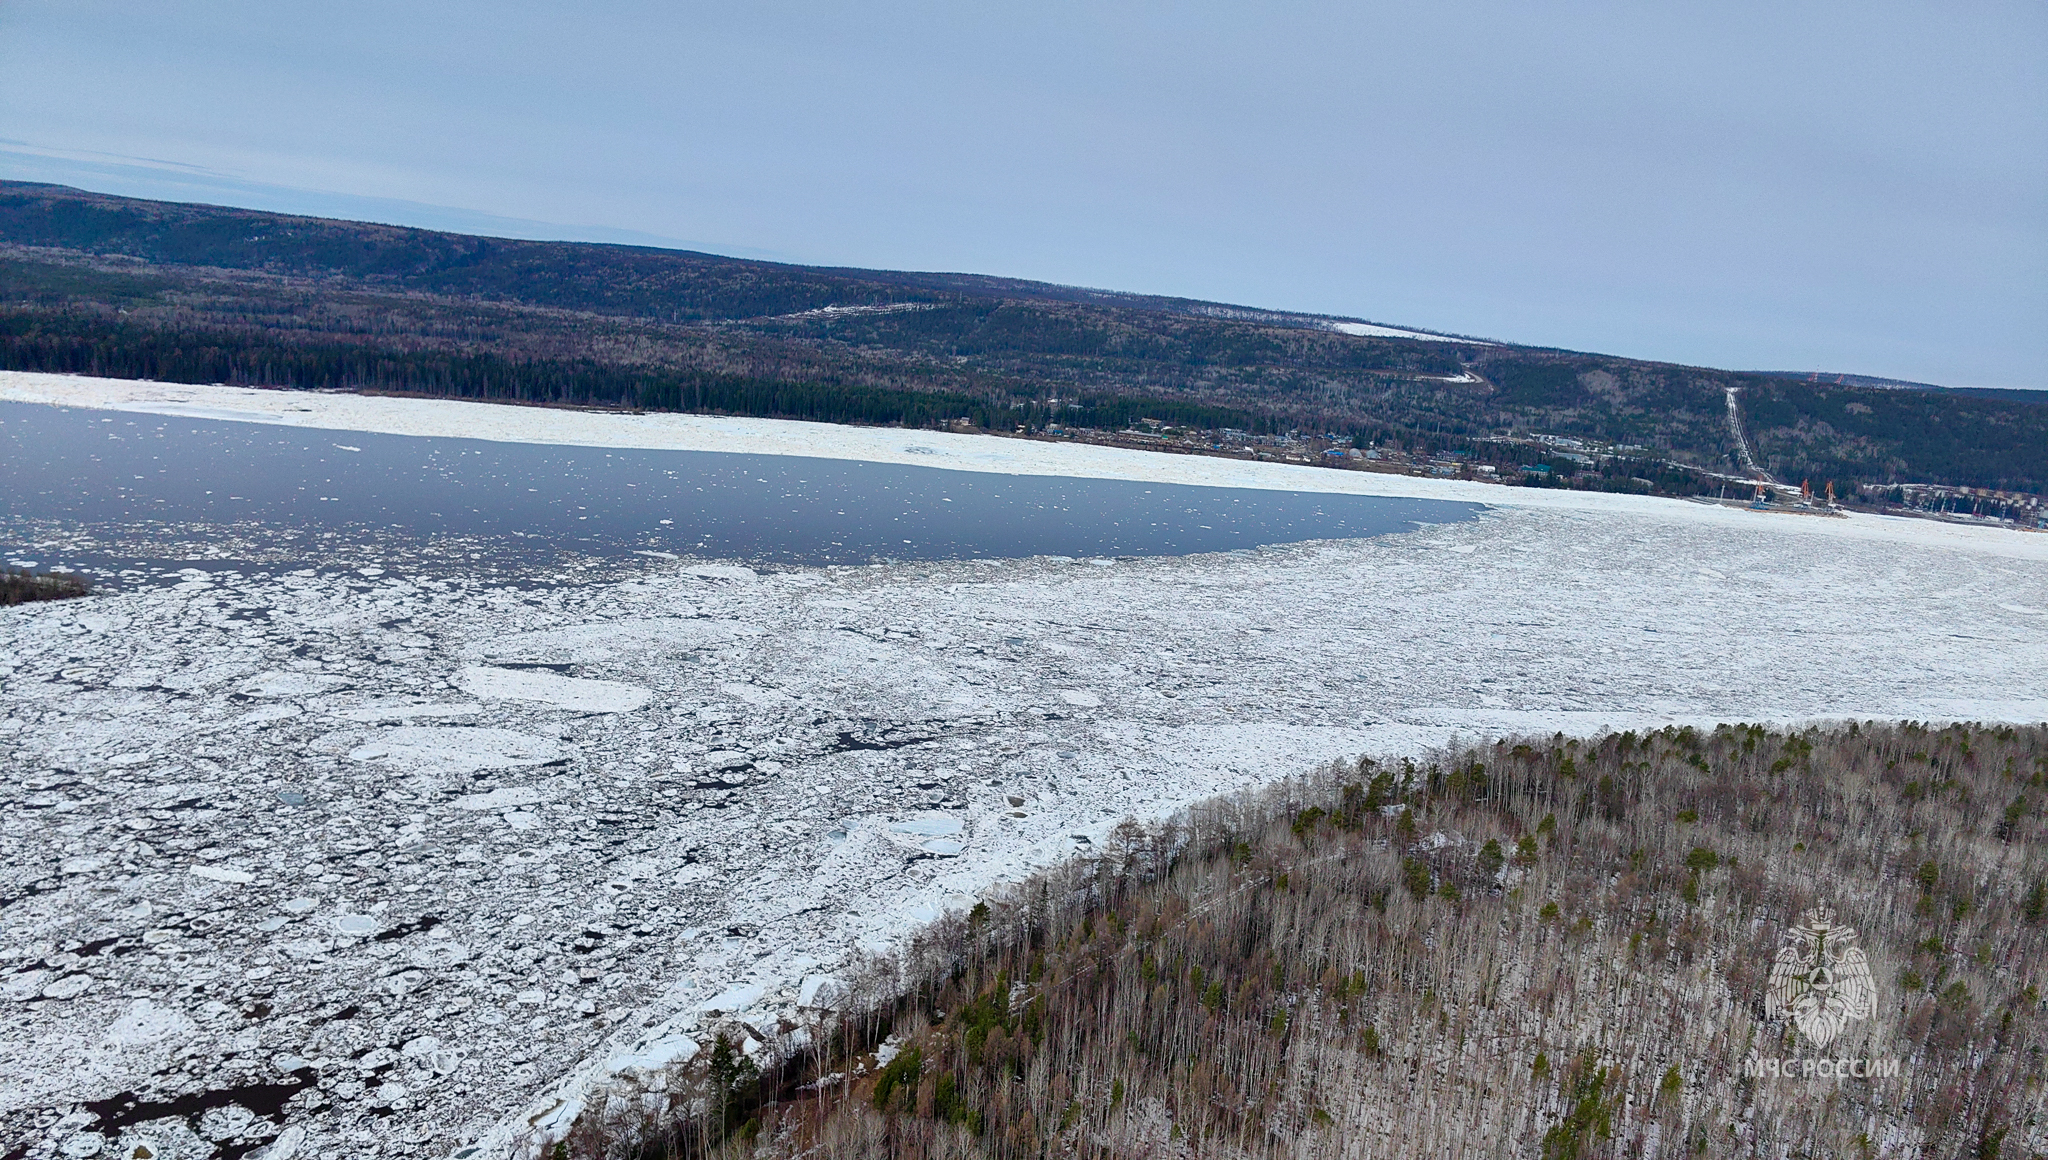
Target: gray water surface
<point>301,495</point>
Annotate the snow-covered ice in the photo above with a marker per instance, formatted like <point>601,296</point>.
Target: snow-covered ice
<point>403,864</point>
<point>551,689</point>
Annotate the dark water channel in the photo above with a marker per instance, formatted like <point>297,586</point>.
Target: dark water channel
<point>106,482</point>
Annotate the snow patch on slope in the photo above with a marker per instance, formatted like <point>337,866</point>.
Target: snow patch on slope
<point>1368,330</point>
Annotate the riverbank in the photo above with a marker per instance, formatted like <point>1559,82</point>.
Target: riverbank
<point>986,453</point>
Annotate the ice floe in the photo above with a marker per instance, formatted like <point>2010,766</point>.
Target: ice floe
<point>455,749</point>
<point>544,688</point>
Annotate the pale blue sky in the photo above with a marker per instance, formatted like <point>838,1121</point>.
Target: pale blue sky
<point>1857,187</point>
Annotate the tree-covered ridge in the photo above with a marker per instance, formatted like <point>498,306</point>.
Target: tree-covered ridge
<point>114,350</point>
<point>114,286</point>
<point>1533,948</point>
<point>1844,433</point>
<point>629,280</point>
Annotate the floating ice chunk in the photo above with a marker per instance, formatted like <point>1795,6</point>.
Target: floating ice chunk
<point>355,924</point>
<point>455,749</point>
<point>267,714</point>
<point>128,759</point>
<point>721,572</point>
<point>297,905</point>
<point>737,998</point>
<point>554,1119</point>
<point>145,1022</point>
<point>500,799</point>
<point>437,953</point>
<point>404,712</point>
<point>820,991</point>
<point>223,874</point>
<point>68,987</point>
<point>26,985</point>
<point>944,847</point>
<point>584,643</point>
<point>285,1146</point>
<point>275,684</point>
<point>724,760</point>
<point>1081,697</point>
<point>937,825</point>
<point>838,605</point>
<point>665,1051</point>
<point>754,695</point>
<point>585,696</point>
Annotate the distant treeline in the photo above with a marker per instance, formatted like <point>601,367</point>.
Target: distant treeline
<point>1541,948</point>
<point>86,345</point>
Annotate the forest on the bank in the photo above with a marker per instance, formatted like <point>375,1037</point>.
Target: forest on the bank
<point>92,284</point>
<point>1540,948</point>
<point>26,586</point>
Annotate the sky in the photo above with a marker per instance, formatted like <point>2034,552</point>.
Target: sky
<point>1786,185</point>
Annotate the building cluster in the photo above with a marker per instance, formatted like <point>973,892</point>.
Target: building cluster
<point>1973,503</point>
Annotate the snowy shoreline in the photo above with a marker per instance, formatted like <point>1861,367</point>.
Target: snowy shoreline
<point>234,803</point>
<point>992,454</point>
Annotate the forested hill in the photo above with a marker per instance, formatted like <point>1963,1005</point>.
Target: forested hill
<point>1540,948</point>
<point>128,288</point>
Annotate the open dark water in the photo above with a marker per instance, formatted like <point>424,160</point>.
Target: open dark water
<point>113,476</point>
